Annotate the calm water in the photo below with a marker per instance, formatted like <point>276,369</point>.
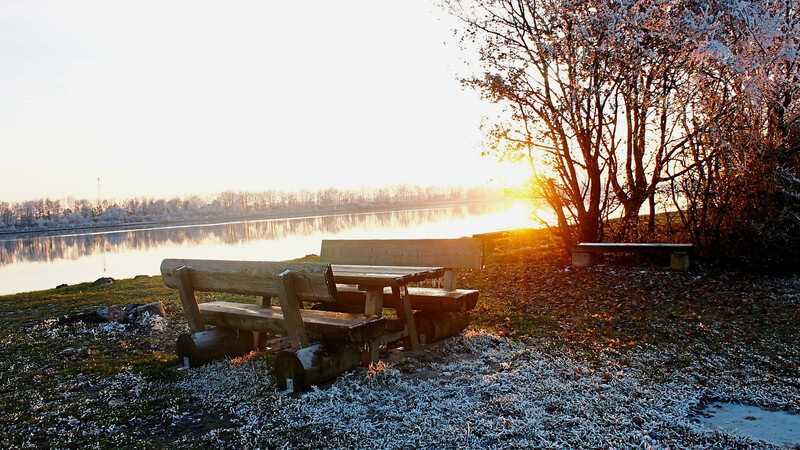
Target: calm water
<point>37,263</point>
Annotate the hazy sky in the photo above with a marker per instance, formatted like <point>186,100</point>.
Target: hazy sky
<point>163,98</point>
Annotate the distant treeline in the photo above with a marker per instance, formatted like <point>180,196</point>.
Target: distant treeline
<point>80,245</point>
<point>46,214</point>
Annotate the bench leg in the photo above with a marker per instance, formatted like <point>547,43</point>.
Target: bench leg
<point>404,312</point>
<point>374,306</point>
<point>188,300</point>
<point>580,259</point>
<point>450,279</point>
<point>679,261</point>
<point>290,307</point>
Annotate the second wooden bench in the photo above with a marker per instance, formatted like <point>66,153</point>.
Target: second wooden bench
<point>441,311</point>
<point>583,255</point>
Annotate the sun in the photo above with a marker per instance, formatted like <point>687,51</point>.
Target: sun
<point>513,176</point>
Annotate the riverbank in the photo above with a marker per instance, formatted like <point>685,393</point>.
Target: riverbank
<point>269,215</point>
<point>625,354</point>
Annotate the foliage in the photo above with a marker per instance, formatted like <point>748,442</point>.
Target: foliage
<point>618,104</point>
<point>739,196</point>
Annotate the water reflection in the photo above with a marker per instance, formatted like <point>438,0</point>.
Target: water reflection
<point>74,247</point>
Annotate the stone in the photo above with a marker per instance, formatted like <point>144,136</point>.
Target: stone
<point>130,312</point>
<point>103,280</point>
<point>139,277</point>
<point>90,317</point>
<point>154,309</point>
<point>113,314</point>
<point>62,286</point>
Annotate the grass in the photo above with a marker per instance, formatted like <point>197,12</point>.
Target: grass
<point>97,385</point>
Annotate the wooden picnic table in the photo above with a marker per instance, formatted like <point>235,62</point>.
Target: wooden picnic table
<point>372,280</point>
<point>375,276</point>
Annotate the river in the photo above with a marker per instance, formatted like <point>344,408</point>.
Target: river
<point>36,263</point>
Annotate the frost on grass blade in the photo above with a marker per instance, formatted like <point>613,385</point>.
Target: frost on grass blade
<point>478,391</point>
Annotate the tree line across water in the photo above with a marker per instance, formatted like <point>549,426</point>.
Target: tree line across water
<point>70,213</point>
<point>80,245</point>
<point>615,105</point>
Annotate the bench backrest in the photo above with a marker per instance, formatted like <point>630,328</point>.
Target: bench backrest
<point>466,253</point>
<point>312,281</point>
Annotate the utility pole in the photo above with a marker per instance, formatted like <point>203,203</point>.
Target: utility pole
<point>99,205</point>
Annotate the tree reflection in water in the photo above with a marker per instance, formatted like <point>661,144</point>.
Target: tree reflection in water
<point>73,247</point>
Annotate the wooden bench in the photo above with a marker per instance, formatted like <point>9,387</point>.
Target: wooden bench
<point>583,255</point>
<point>448,304</point>
<point>291,282</point>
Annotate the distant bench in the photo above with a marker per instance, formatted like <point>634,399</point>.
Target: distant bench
<point>441,311</point>
<point>583,255</point>
<point>341,335</point>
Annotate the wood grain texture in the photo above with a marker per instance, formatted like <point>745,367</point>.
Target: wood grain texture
<point>373,304</point>
<point>464,253</point>
<point>312,281</point>
<point>213,345</point>
<point>425,299</point>
<point>315,364</point>
<point>405,313</point>
<point>183,284</point>
<point>450,279</point>
<point>290,308</point>
<point>437,326</point>
<point>381,276</point>
<point>342,327</point>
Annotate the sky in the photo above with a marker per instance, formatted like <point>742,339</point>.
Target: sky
<point>165,98</point>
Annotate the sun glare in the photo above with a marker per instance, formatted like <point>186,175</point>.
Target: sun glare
<point>511,176</point>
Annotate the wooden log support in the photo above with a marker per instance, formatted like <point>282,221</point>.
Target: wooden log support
<point>260,301</point>
<point>188,300</point>
<point>374,301</point>
<point>315,364</point>
<point>290,307</point>
<point>450,279</point>
<point>406,314</point>
<point>433,327</point>
<point>424,299</point>
<point>373,306</point>
<point>679,261</point>
<point>581,259</point>
<point>213,344</point>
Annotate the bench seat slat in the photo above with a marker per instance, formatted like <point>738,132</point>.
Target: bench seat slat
<point>425,299</point>
<point>356,328</point>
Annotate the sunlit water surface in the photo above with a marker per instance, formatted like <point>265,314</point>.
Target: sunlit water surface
<point>37,263</point>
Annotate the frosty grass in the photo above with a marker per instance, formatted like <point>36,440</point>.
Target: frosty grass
<point>489,393</point>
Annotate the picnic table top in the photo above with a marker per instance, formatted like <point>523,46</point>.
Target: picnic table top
<point>379,276</point>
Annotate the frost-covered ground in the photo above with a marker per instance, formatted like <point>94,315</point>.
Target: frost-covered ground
<point>482,391</point>
<point>620,355</point>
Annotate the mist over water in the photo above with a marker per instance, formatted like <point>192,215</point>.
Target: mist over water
<point>36,263</point>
